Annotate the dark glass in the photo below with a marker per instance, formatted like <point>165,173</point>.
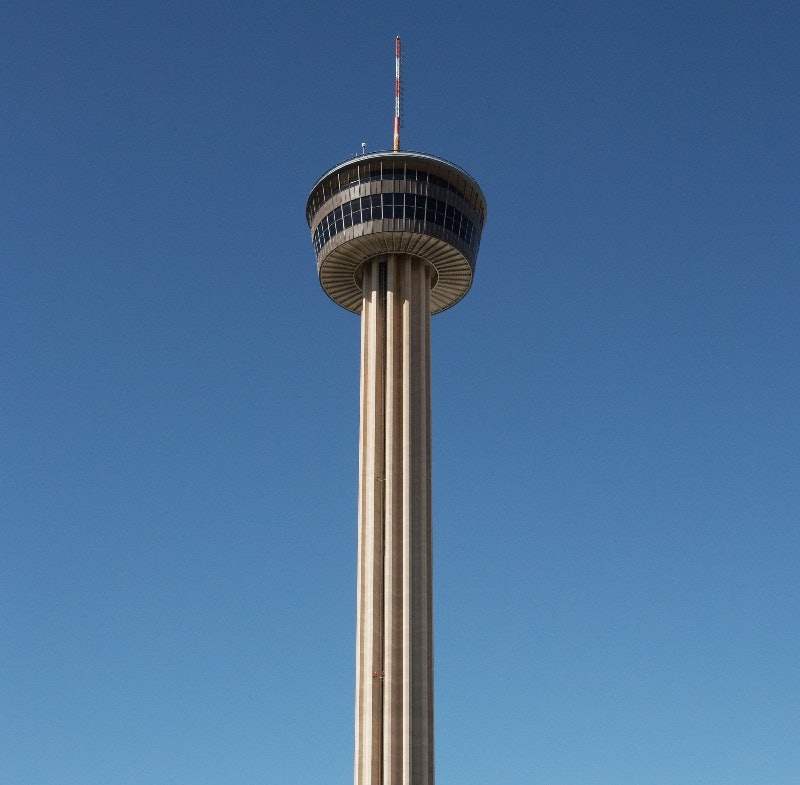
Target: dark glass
<point>395,205</point>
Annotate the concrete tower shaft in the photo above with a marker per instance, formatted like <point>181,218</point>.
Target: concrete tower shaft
<point>396,237</point>
<point>394,670</point>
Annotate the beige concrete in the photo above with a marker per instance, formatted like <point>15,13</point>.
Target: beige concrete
<point>394,647</point>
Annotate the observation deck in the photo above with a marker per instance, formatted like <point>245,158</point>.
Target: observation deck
<point>396,203</point>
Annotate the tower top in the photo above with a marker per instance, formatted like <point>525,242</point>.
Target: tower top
<point>396,202</point>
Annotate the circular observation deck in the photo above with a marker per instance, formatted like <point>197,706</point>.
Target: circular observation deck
<point>386,202</point>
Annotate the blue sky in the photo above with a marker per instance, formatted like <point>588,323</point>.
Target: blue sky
<point>616,424</point>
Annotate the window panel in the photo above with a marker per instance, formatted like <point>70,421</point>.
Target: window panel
<point>395,205</point>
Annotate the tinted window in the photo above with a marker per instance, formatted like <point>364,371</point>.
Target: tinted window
<point>391,205</point>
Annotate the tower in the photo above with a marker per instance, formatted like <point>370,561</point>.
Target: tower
<point>396,237</point>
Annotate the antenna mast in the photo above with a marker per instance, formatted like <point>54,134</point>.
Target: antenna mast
<point>397,94</point>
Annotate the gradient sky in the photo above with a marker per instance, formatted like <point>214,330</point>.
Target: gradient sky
<point>616,421</point>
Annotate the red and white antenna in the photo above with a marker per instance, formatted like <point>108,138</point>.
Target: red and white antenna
<point>397,94</point>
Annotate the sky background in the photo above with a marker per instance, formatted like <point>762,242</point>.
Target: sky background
<point>616,422</point>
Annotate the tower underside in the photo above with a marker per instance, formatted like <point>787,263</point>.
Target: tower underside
<point>394,655</point>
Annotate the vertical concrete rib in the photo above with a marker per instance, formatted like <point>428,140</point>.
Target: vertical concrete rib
<point>369,626</point>
<point>392,752</point>
<point>394,679</point>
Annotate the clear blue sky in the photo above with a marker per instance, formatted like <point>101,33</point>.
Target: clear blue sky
<point>616,416</point>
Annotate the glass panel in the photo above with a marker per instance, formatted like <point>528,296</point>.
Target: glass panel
<point>395,205</point>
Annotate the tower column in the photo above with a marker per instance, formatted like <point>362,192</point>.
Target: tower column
<point>394,657</point>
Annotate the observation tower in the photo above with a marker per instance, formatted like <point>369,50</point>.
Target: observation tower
<point>396,237</point>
